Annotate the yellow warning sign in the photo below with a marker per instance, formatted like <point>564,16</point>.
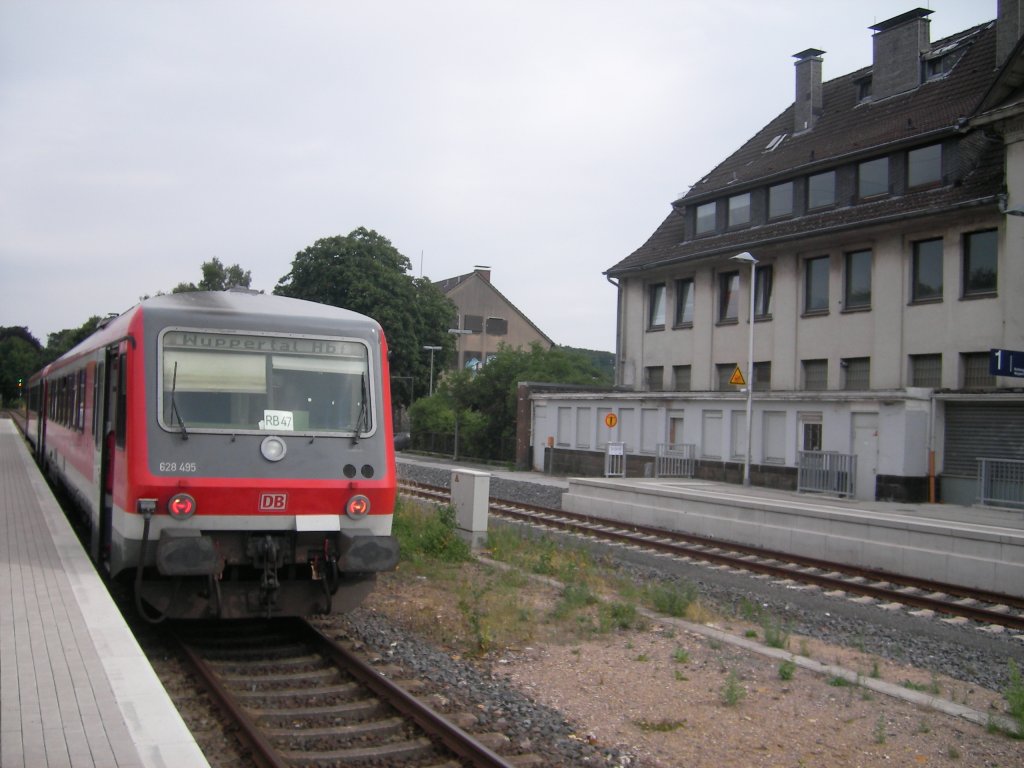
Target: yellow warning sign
<point>611,420</point>
<point>737,379</point>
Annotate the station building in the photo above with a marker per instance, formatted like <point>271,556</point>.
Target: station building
<point>885,212</point>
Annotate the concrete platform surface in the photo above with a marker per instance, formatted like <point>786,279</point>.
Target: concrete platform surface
<point>75,688</point>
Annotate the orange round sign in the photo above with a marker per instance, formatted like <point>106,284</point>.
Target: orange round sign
<point>611,420</point>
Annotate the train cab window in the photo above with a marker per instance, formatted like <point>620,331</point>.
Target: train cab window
<point>237,382</point>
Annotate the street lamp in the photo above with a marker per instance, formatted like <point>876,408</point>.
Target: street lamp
<point>748,259</point>
<point>432,351</point>
<point>457,332</point>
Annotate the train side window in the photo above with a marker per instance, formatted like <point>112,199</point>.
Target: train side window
<point>97,403</point>
<point>122,398</point>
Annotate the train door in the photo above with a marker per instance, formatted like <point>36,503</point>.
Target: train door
<point>111,375</point>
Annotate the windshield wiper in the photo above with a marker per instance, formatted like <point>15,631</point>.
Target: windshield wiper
<point>175,413</point>
<point>362,421</point>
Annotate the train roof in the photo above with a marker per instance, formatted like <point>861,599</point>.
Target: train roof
<point>229,310</point>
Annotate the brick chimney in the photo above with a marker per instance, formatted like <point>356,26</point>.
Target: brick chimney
<point>898,44</point>
<point>1009,26</point>
<point>483,271</point>
<point>807,105</point>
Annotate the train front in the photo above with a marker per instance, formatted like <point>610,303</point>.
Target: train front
<point>269,480</point>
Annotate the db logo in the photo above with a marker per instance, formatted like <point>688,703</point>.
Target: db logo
<point>273,502</point>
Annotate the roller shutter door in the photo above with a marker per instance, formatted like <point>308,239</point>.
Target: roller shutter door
<point>981,430</point>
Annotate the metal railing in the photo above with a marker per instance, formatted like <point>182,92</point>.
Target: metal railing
<point>615,460</point>
<point>827,472</point>
<point>1001,483</point>
<point>675,460</point>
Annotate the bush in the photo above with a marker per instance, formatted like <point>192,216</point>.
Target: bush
<point>428,533</point>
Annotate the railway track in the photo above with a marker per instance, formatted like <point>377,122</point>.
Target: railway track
<point>994,612</point>
<point>301,699</point>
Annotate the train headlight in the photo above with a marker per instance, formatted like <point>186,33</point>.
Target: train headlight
<point>181,506</point>
<point>273,448</point>
<point>358,506</point>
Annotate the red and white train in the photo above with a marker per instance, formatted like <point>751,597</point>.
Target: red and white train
<point>232,452</point>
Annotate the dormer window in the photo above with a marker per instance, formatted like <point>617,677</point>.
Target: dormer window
<point>780,200</point>
<point>863,89</point>
<point>924,166</point>
<point>706,218</point>
<point>739,210</point>
<point>941,63</point>
<point>821,190</point>
<point>873,177</point>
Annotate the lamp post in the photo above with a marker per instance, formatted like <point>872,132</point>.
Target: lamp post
<point>432,351</point>
<point>458,333</point>
<point>748,259</point>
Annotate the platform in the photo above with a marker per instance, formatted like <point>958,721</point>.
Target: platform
<point>975,547</point>
<point>971,546</point>
<point>75,688</point>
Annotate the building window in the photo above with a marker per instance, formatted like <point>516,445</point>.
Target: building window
<point>763,292</point>
<point>656,318</point>
<point>780,200</point>
<point>924,166</point>
<point>706,218</point>
<point>684,302</point>
<point>980,263</point>
<point>821,190</point>
<point>816,285</point>
<point>681,378</point>
<point>975,371</point>
<point>926,281</point>
<point>497,326</point>
<point>815,374</point>
<point>473,323</point>
<point>858,280</point>
<point>739,210</point>
<point>675,427</point>
<point>810,431</point>
<point>873,177</point>
<point>926,371</point>
<point>728,297</point>
<point>655,375</point>
<point>863,86</point>
<point>763,376</point>
<point>472,359</point>
<point>856,373</point>
<point>723,372</point>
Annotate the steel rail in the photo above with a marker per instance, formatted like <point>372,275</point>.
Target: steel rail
<point>663,540</point>
<point>453,737</point>
<point>266,755</point>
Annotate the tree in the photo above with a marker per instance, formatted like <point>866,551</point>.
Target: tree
<point>364,272</point>
<point>217,277</point>
<point>61,341</point>
<point>486,402</point>
<point>20,357</point>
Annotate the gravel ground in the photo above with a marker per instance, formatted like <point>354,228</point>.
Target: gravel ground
<point>930,644</point>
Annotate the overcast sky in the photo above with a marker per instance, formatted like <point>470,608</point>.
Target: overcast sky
<point>545,140</point>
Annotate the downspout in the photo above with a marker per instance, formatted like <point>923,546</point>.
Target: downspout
<point>931,448</point>
<point>618,331</point>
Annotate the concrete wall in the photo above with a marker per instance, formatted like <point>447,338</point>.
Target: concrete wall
<point>940,548</point>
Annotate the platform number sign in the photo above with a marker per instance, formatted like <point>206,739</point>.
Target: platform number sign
<point>1006,362</point>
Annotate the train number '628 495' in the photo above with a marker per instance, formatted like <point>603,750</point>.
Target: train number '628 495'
<point>178,466</point>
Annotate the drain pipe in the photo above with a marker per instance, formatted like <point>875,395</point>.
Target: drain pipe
<point>931,448</point>
<point>618,330</point>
